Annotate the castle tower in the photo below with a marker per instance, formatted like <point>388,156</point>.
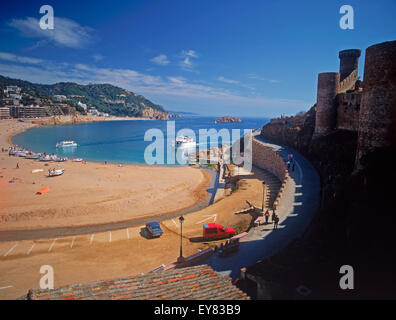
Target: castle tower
<point>377,117</point>
<point>349,61</point>
<point>326,105</point>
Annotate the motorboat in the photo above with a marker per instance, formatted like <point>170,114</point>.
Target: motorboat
<point>185,142</point>
<point>66,144</point>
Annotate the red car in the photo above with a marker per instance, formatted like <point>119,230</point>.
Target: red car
<point>212,231</point>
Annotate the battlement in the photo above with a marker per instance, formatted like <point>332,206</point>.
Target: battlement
<point>349,61</point>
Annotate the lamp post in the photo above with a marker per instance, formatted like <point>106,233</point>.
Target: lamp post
<point>181,258</point>
<point>262,207</point>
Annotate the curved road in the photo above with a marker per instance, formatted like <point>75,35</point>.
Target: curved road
<point>298,205</point>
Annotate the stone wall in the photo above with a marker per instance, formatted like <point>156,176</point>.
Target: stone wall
<point>266,158</point>
<point>377,119</point>
<point>348,107</point>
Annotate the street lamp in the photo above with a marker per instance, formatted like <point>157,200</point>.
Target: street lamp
<point>262,206</point>
<point>181,258</point>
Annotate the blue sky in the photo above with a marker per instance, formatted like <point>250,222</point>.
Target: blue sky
<point>244,58</point>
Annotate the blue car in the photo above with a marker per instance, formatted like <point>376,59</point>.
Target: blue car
<point>154,229</point>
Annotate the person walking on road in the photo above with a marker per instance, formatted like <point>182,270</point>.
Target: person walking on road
<point>266,217</point>
<point>276,220</point>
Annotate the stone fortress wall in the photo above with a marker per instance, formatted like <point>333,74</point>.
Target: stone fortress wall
<point>368,107</point>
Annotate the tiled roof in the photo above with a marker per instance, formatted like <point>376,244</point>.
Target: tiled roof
<point>192,283</point>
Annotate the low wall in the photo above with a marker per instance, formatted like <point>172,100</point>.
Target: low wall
<point>266,158</point>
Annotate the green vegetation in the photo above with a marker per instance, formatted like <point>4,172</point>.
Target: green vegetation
<point>104,97</point>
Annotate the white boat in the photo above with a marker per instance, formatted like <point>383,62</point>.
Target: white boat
<point>185,142</point>
<point>46,158</point>
<point>55,173</point>
<point>77,160</point>
<point>66,144</point>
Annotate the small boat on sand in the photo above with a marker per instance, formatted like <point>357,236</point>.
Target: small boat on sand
<point>55,173</point>
<point>77,160</point>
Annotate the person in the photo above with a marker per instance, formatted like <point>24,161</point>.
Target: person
<point>17,165</point>
<point>276,220</point>
<point>266,217</point>
<point>293,166</point>
<point>288,165</point>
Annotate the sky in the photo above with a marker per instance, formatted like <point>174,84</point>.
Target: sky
<point>225,57</point>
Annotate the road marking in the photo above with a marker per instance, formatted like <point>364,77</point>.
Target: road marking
<point>174,222</point>
<point>214,216</point>
<point>2,288</point>
<point>110,236</point>
<point>30,250</point>
<point>52,245</point>
<point>9,251</point>
<point>71,246</point>
<point>92,237</point>
<point>127,231</point>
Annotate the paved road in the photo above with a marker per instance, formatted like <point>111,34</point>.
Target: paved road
<point>298,205</point>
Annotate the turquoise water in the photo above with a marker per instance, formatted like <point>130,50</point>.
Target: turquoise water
<point>118,141</point>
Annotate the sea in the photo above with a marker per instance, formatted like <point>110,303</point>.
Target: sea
<point>124,141</point>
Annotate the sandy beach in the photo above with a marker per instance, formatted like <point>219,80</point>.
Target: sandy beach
<point>88,193</point>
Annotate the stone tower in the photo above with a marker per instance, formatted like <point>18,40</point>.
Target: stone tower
<point>377,117</point>
<point>326,103</point>
<point>349,61</point>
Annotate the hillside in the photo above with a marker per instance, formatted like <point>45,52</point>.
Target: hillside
<point>104,97</point>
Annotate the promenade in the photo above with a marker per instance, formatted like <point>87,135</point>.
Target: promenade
<point>299,203</point>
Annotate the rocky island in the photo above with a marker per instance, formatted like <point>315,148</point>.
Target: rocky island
<point>228,119</point>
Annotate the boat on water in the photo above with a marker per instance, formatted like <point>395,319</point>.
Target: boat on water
<point>55,173</point>
<point>66,144</point>
<point>184,142</point>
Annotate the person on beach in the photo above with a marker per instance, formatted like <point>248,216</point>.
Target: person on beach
<point>276,220</point>
<point>17,165</point>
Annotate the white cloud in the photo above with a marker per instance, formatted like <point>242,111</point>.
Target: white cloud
<point>66,32</point>
<point>178,89</point>
<point>186,62</point>
<point>98,57</point>
<point>161,60</point>
<point>256,77</point>
<point>14,58</point>
<point>230,81</point>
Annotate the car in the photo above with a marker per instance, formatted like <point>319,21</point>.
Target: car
<point>213,231</point>
<point>154,229</point>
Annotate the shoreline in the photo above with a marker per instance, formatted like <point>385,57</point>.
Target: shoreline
<point>194,196</point>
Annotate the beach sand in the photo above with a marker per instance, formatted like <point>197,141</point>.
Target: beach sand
<point>89,193</point>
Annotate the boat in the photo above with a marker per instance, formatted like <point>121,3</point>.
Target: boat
<point>46,158</point>
<point>66,144</point>
<point>60,159</point>
<point>34,156</point>
<point>55,173</point>
<point>77,160</point>
<point>185,142</point>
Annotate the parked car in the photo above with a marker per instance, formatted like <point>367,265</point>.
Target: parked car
<point>213,231</point>
<point>154,229</point>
